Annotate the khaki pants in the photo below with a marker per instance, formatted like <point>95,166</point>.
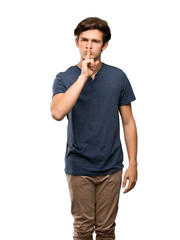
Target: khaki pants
<point>94,205</point>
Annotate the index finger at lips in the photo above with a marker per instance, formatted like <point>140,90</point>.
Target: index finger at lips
<point>88,54</point>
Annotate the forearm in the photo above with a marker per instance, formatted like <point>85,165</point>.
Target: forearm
<point>130,135</point>
<point>64,104</point>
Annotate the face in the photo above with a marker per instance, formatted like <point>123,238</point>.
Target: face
<point>91,40</point>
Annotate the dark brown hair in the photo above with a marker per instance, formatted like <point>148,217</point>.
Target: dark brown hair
<point>94,23</point>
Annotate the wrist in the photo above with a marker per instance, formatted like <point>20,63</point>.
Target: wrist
<point>83,77</point>
<point>133,163</point>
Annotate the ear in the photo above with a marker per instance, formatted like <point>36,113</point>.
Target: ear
<point>76,41</point>
<point>105,46</point>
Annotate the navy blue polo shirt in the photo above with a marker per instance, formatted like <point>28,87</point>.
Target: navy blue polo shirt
<point>93,134</point>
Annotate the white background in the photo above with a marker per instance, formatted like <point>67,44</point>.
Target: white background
<point>37,42</point>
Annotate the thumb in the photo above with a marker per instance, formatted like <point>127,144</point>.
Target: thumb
<point>96,63</point>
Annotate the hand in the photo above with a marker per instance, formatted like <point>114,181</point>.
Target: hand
<point>88,66</point>
<point>131,175</point>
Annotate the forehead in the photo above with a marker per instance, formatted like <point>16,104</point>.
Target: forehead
<point>92,34</point>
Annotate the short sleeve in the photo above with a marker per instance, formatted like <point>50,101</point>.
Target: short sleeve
<point>126,94</point>
<point>59,85</point>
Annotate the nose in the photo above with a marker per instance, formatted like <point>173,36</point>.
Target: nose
<point>89,45</point>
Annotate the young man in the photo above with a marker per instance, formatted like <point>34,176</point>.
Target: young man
<point>92,94</point>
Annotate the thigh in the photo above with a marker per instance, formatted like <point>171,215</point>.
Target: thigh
<point>82,195</point>
<point>107,199</point>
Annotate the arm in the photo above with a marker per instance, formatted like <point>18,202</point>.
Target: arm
<point>130,135</point>
<point>62,103</point>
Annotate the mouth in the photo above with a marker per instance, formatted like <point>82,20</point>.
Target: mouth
<point>91,53</point>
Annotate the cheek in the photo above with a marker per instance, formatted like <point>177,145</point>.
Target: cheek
<point>81,45</point>
<point>81,48</point>
<point>97,49</point>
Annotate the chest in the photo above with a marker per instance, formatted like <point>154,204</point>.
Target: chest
<point>98,97</point>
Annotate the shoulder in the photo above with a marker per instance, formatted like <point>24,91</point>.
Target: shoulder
<point>71,70</point>
<point>114,70</point>
<point>115,73</point>
<point>69,76</point>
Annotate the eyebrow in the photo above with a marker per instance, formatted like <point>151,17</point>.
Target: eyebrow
<point>83,38</point>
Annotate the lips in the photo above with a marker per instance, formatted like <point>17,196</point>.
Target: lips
<point>86,53</point>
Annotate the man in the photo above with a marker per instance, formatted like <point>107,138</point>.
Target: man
<point>92,94</point>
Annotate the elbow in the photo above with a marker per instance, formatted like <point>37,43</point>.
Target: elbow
<point>56,115</point>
